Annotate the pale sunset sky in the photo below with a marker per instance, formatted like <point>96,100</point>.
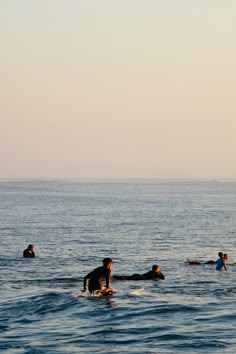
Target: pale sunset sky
<point>118,89</point>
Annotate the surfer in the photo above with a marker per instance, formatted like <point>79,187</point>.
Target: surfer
<point>93,280</point>
<point>221,261</point>
<point>154,273</point>
<point>29,252</point>
<point>196,262</point>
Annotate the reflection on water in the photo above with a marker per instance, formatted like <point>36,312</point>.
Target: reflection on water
<point>74,225</point>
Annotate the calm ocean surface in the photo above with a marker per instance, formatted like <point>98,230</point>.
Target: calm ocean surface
<point>74,224</point>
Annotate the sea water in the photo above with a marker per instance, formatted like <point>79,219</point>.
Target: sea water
<point>74,224</point>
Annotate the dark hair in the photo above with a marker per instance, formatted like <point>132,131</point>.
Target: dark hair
<point>154,267</point>
<point>220,254</point>
<point>30,246</point>
<point>106,261</point>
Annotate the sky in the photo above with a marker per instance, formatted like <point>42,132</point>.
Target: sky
<point>118,89</point>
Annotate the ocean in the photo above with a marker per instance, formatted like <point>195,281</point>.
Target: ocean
<point>74,224</point>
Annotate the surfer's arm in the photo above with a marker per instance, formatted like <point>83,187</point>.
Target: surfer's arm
<point>161,275</point>
<point>86,282</point>
<point>108,279</point>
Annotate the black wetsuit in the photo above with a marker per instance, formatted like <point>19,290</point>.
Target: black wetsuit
<point>96,277</point>
<point>145,276</point>
<point>210,262</point>
<point>128,277</point>
<point>29,254</point>
<point>153,275</point>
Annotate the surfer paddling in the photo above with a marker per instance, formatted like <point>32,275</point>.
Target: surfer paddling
<point>221,262</point>
<point>93,280</point>
<point>154,273</point>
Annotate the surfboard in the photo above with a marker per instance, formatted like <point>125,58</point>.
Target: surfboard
<point>136,291</point>
<point>97,294</point>
<point>104,293</point>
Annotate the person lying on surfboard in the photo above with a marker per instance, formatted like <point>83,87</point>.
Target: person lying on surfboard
<point>93,280</point>
<point>155,273</point>
<point>196,262</point>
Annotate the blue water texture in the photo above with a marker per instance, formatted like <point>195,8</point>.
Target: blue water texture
<point>74,224</point>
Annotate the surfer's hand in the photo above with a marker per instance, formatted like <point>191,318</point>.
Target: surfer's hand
<point>83,290</point>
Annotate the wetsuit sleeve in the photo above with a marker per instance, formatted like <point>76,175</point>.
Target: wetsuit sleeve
<point>86,278</point>
<point>225,266</point>
<point>108,279</point>
<point>161,275</point>
<point>33,254</point>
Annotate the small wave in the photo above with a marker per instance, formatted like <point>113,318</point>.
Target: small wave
<point>31,308</point>
<point>202,344</point>
<point>49,282</point>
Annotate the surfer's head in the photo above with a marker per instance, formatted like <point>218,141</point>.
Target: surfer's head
<point>107,262</point>
<point>221,254</point>
<point>226,256</point>
<point>155,268</point>
<point>30,247</point>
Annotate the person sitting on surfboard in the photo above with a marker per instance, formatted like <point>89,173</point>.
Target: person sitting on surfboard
<point>29,252</point>
<point>155,273</point>
<point>93,280</point>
